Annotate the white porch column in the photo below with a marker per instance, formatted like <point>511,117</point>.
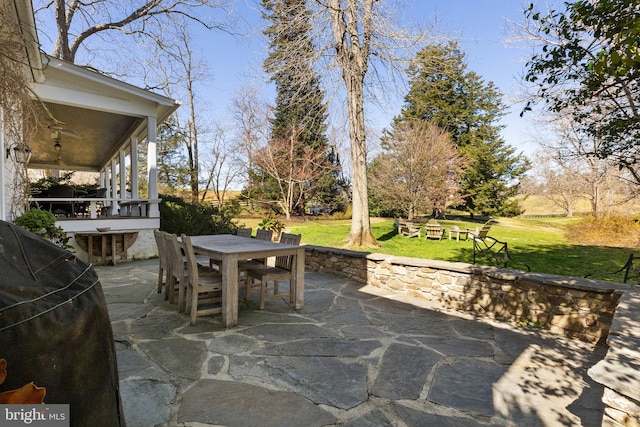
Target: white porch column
<point>114,187</point>
<point>135,194</point>
<point>152,168</point>
<point>122,169</point>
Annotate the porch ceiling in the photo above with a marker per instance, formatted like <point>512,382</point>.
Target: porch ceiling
<point>88,138</point>
<point>90,115</point>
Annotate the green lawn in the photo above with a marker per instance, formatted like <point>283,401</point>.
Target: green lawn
<point>538,243</point>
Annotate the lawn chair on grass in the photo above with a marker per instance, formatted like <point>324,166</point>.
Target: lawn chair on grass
<point>481,232</point>
<point>408,229</point>
<point>433,230</point>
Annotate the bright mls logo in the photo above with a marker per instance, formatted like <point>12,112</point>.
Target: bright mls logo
<point>34,415</point>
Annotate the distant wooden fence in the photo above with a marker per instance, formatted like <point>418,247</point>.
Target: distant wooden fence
<point>544,216</point>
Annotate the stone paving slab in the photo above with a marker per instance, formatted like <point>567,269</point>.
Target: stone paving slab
<point>354,356</point>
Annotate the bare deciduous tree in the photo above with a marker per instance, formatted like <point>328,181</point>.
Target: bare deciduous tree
<point>77,21</point>
<point>418,170</point>
<point>251,118</point>
<point>223,166</point>
<point>570,171</point>
<point>359,31</point>
<point>295,168</point>
<point>352,29</point>
<point>180,74</point>
<point>559,181</point>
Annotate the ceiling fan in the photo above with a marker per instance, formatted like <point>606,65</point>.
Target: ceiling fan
<point>58,130</point>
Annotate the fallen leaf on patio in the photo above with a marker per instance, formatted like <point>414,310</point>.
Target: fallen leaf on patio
<point>3,370</point>
<point>27,394</point>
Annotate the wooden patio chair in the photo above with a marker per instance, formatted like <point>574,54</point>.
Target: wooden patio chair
<point>177,275</point>
<point>433,230</point>
<point>244,232</point>
<point>244,265</point>
<point>162,258</point>
<point>481,233</point>
<point>397,222</point>
<point>177,271</point>
<point>408,229</point>
<point>204,290</point>
<point>282,271</point>
<point>264,234</point>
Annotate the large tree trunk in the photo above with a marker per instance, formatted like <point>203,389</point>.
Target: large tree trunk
<point>360,234</point>
<point>353,55</point>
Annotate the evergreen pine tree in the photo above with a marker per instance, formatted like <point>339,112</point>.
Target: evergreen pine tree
<point>300,108</point>
<point>443,91</point>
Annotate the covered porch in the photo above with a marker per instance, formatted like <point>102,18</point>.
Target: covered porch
<point>101,125</point>
<point>89,123</point>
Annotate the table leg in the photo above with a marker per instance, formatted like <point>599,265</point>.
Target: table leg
<point>125,242</point>
<point>299,286</point>
<point>229,270</point>
<point>90,248</point>
<point>113,249</point>
<point>103,244</point>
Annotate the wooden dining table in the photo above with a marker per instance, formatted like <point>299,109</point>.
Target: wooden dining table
<point>229,249</point>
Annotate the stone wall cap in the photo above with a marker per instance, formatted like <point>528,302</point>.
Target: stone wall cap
<point>619,371</point>
<point>460,267</point>
<point>626,322</point>
<point>583,284</point>
<point>338,251</point>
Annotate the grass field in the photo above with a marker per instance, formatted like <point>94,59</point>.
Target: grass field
<point>539,243</point>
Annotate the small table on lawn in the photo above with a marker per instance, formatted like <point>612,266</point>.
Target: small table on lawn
<point>229,249</point>
<point>457,232</point>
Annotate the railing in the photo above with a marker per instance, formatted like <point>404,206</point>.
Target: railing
<point>79,207</point>
<point>630,269</point>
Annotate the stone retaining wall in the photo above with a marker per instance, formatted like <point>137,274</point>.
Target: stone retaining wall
<point>590,310</point>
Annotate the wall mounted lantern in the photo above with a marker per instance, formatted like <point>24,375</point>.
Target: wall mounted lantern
<point>21,152</point>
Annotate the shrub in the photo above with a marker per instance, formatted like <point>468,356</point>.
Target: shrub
<point>43,223</point>
<point>273,224</point>
<point>610,230</point>
<point>343,215</point>
<point>178,216</point>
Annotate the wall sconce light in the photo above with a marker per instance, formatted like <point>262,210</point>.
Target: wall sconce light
<point>57,146</point>
<point>21,152</point>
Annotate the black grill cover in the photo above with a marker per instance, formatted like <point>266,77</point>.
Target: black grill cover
<point>55,329</point>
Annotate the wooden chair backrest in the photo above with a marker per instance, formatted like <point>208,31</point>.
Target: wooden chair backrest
<point>264,234</point>
<point>174,255</point>
<point>244,232</point>
<point>162,251</point>
<point>288,239</point>
<point>192,264</point>
<point>484,230</point>
<point>432,226</point>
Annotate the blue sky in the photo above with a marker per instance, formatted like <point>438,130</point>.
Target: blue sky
<point>478,25</point>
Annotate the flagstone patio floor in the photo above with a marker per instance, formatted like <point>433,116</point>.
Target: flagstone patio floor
<point>354,356</point>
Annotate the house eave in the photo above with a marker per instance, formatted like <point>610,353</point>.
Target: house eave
<point>27,25</point>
